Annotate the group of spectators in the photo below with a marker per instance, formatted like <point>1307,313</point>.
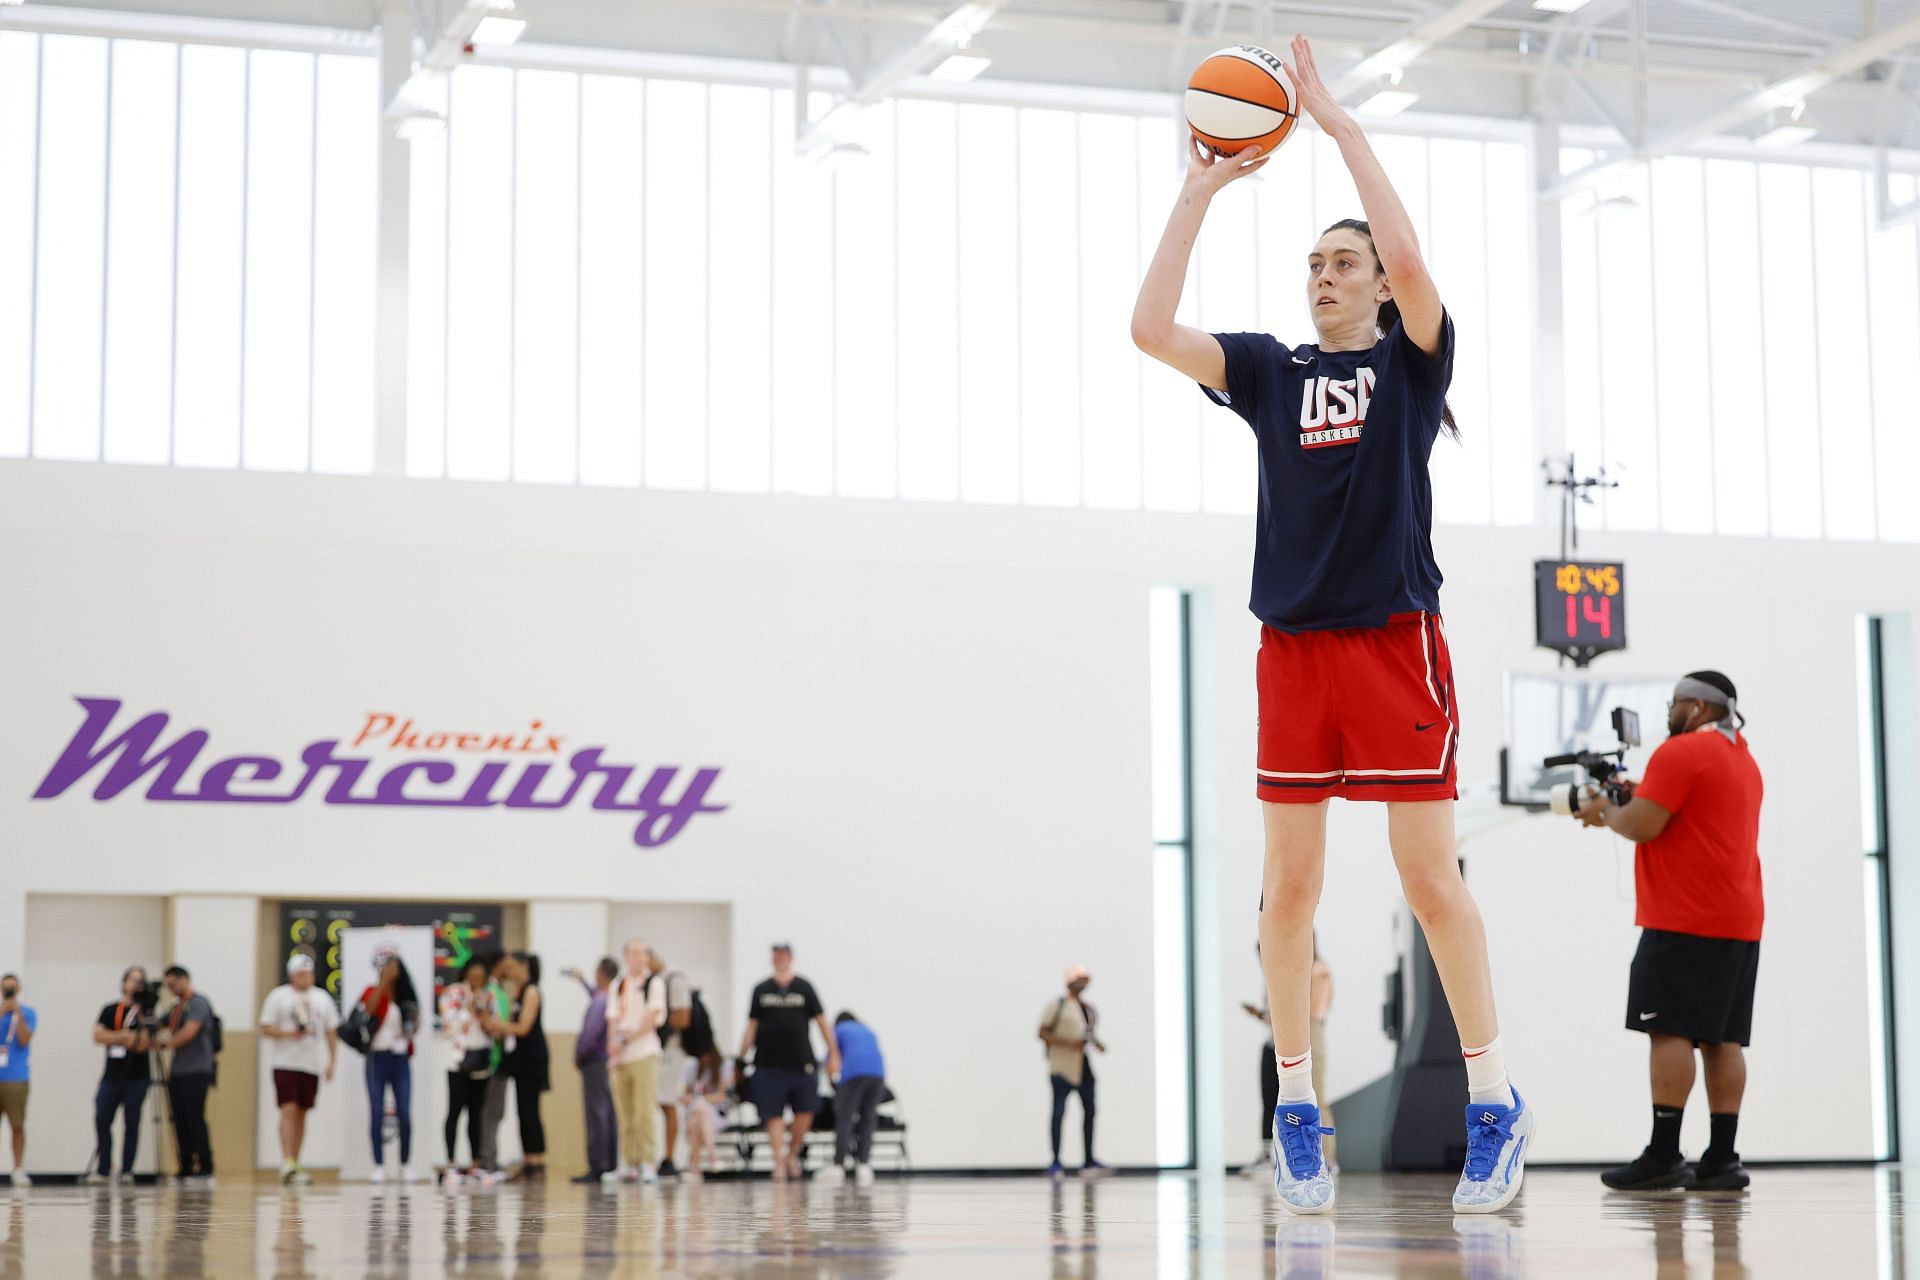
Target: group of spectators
<point>647,1046</point>
<point>650,1063</point>
<point>130,1030</point>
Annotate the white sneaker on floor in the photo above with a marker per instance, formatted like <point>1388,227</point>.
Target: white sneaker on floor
<point>863,1175</point>
<point>124,1178</point>
<point>831,1175</point>
<point>451,1180</point>
<point>1498,1139</point>
<point>649,1175</point>
<point>1300,1172</point>
<point>614,1175</point>
<point>92,1179</point>
<point>20,1178</point>
<point>299,1177</point>
<point>379,1174</point>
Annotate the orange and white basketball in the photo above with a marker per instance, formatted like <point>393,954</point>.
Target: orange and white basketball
<point>1242,97</point>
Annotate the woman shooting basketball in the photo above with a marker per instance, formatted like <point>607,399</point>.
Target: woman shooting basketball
<point>1355,684</point>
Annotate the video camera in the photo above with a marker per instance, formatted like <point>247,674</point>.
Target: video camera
<point>147,998</point>
<point>1604,767</point>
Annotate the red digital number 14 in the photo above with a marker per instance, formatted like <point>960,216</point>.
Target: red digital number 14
<point>1597,610</point>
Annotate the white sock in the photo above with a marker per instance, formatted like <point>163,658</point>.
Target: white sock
<point>1487,1074</point>
<point>1296,1078</point>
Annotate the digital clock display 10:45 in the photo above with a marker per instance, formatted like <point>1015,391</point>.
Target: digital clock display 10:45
<point>1580,607</point>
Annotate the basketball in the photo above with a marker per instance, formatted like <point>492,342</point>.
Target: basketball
<point>1239,98</point>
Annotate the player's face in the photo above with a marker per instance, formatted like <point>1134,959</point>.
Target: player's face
<point>1344,284</point>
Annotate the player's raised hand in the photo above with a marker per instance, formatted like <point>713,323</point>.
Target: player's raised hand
<point>1209,172</point>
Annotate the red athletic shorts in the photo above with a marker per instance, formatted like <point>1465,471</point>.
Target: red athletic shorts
<point>1366,713</point>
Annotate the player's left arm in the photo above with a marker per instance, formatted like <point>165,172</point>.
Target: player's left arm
<point>1421,314</point>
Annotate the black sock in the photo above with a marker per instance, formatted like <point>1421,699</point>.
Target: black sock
<point>1666,1132</point>
<point>1720,1147</point>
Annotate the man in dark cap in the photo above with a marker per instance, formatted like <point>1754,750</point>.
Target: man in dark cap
<point>1695,818</point>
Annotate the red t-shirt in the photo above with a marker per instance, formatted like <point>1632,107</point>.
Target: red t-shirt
<point>1702,874</point>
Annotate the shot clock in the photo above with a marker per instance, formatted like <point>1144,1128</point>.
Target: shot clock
<point>1580,607</point>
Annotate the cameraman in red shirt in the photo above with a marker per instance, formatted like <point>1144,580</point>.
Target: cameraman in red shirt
<point>1695,818</point>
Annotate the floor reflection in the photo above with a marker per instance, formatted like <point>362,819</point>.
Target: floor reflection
<point>1833,1224</point>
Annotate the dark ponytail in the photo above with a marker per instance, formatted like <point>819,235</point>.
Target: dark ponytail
<point>1389,314</point>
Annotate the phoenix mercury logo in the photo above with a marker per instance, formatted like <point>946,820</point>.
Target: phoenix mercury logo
<point>662,802</point>
<point>1333,410</point>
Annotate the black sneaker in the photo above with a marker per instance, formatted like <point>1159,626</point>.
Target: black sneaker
<point>667,1170</point>
<point>1650,1172</point>
<point>1721,1175</point>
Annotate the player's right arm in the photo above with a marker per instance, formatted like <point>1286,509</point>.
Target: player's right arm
<point>1194,352</point>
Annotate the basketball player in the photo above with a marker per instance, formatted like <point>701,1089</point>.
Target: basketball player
<point>1355,684</point>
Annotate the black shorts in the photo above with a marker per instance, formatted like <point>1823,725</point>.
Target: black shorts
<point>774,1089</point>
<point>1700,988</point>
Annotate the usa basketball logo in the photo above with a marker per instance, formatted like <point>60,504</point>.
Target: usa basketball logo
<point>1333,410</point>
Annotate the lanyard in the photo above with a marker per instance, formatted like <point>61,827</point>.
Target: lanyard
<point>119,1014</point>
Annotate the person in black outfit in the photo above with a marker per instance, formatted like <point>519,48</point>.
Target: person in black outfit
<point>527,1064</point>
<point>785,1073</point>
<point>125,1027</point>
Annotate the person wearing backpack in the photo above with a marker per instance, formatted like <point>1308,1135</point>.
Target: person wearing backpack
<point>674,1054</point>
<point>189,1033</point>
<point>1067,1027</point>
<point>636,1010</point>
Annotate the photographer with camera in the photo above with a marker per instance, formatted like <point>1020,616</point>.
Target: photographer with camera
<point>125,1027</point>
<point>1695,818</point>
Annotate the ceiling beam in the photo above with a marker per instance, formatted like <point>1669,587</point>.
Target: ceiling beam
<point>950,33</point>
<point>449,48</point>
<point>1783,92</point>
<point>1397,55</point>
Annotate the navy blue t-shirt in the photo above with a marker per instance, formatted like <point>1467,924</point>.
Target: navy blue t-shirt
<point>1346,505</point>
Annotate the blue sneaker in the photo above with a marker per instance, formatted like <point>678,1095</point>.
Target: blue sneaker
<point>1300,1172</point>
<point>1055,1172</point>
<point>1497,1142</point>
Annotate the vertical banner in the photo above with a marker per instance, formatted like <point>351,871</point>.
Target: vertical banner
<point>357,948</point>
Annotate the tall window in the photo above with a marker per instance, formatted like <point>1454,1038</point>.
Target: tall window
<point>941,314</point>
<point>187,253</point>
<point>1738,336</point>
<point>1871,667</point>
<point>1170,687</point>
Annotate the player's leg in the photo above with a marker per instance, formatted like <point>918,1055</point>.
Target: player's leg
<point>1499,1124</point>
<point>1295,866</point>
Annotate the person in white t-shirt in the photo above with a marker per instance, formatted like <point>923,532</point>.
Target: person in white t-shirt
<point>301,1026</point>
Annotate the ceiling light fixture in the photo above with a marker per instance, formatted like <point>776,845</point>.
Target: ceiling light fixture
<point>1782,128</point>
<point>958,68</point>
<point>1387,102</point>
<point>1558,6</point>
<point>497,31</point>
